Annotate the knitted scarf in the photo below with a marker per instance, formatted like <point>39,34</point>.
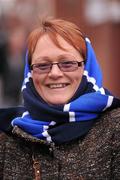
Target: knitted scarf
<point>63,123</point>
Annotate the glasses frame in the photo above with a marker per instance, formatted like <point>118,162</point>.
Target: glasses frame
<point>79,64</point>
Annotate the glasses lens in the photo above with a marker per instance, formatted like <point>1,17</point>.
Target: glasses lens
<point>65,66</point>
<point>42,68</point>
<point>68,66</point>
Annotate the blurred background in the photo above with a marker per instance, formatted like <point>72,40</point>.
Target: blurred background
<point>98,19</point>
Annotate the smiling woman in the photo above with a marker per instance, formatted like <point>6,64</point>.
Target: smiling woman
<point>68,127</point>
<point>56,86</point>
<point>53,44</point>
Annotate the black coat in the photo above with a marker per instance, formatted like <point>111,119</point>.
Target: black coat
<point>95,157</point>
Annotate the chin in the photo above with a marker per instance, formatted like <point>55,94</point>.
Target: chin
<point>58,102</point>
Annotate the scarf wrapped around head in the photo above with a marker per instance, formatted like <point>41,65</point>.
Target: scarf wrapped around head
<point>64,123</point>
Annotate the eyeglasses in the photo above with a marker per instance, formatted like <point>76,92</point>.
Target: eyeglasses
<point>65,66</point>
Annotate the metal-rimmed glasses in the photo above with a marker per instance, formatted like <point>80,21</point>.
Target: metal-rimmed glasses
<point>65,66</point>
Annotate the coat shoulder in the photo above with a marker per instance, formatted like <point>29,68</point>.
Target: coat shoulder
<point>113,118</point>
<point>3,137</point>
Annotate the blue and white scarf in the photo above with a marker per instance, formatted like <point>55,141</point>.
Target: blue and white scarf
<point>64,123</point>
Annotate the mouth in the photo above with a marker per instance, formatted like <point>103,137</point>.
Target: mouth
<point>57,86</point>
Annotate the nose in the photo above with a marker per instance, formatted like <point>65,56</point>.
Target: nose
<point>55,72</point>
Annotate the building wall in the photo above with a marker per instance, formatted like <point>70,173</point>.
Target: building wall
<point>103,31</point>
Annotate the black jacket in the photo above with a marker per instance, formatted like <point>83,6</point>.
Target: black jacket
<point>95,157</point>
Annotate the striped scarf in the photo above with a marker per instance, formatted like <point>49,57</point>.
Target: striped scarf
<point>64,123</point>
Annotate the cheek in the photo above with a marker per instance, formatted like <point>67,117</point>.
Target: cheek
<point>78,77</point>
<point>36,81</point>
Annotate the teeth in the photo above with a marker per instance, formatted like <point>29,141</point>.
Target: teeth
<point>52,86</point>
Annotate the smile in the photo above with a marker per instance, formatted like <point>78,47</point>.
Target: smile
<point>54,86</point>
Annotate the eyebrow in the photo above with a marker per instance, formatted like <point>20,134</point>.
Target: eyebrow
<point>65,56</point>
<point>62,56</point>
<point>46,58</point>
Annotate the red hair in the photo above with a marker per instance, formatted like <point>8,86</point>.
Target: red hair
<point>53,27</point>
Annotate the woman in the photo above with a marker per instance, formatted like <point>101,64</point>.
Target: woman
<point>68,127</point>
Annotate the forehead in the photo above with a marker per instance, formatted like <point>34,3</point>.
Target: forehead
<point>45,47</point>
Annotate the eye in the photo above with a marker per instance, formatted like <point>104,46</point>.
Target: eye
<point>67,63</point>
<point>43,66</point>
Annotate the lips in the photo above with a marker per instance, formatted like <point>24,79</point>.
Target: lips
<point>58,85</point>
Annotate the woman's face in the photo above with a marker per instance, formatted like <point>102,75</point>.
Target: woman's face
<point>56,87</point>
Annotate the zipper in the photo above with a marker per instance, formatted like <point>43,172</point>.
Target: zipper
<point>36,167</point>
